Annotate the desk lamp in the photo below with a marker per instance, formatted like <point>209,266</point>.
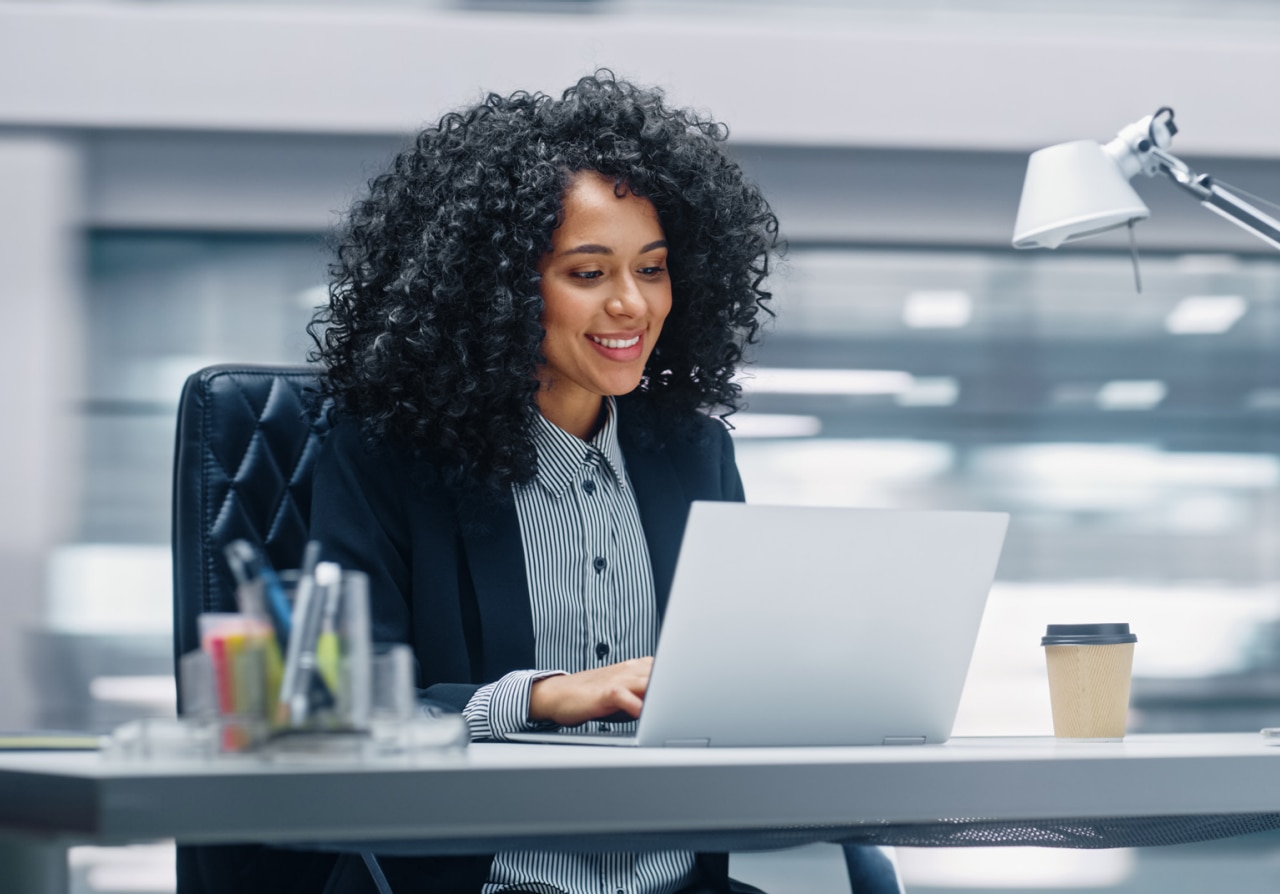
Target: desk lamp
<point>1080,189</point>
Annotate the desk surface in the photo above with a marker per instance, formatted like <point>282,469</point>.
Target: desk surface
<point>505,793</point>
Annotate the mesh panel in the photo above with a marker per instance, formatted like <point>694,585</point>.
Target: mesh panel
<point>1146,831</point>
<point>1097,832</point>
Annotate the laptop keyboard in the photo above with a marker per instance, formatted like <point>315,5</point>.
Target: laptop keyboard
<point>606,730</point>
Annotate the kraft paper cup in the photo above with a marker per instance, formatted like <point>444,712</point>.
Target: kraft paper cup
<point>1090,666</point>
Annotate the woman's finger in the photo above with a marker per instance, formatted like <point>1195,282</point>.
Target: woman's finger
<point>588,695</point>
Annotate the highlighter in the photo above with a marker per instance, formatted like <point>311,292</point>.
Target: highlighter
<point>328,649</point>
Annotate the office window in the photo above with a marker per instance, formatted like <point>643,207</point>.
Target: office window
<point>158,307</point>
<point>1131,436</point>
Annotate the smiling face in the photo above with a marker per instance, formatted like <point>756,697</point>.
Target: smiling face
<point>605,293</point>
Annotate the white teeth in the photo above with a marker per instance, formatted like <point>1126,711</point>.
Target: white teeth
<point>615,342</point>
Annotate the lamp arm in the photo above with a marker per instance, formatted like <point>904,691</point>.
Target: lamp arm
<point>1219,200</point>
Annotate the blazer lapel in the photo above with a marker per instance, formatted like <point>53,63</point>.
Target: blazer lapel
<point>495,558</point>
<point>663,507</point>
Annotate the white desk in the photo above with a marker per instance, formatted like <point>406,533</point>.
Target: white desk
<point>583,797</point>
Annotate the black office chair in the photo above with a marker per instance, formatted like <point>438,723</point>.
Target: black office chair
<point>246,446</point>
<point>246,442</point>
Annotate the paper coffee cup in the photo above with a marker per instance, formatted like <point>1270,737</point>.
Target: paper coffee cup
<point>1090,666</point>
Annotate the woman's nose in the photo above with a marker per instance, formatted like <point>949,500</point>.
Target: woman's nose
<point>627,299</point>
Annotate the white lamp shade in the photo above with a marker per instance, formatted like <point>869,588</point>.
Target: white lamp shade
<point>1072,191</point>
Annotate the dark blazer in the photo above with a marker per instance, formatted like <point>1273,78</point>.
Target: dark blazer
<point>447,575</point>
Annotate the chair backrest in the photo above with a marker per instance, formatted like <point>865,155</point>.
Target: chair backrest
<point>246,447</point>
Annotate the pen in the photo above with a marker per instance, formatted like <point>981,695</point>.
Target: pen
<point>243,560</point>
<point>310,691</point>
<point>250,567</point>
<point>296,680</point>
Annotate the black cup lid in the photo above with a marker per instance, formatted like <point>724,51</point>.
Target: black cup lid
<point>1087,635</point>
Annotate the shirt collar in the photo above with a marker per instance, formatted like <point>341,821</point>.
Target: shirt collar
<point>561,455</point>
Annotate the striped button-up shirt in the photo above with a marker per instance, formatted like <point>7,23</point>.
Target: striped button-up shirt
<point>592,598</point>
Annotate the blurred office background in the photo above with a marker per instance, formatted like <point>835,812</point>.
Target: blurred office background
<point>169,172</point>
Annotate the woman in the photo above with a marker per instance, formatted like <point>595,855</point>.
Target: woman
<point>531,314</point>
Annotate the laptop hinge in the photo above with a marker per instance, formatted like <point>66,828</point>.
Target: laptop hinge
<point>687,743</point>
<point>903,740</point>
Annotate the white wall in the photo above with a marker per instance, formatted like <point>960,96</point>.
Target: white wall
<point>40,194</point>
<point>991,83</point>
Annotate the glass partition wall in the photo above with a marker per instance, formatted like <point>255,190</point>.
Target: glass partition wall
<point>1132,437</point>
<point>159,306</point>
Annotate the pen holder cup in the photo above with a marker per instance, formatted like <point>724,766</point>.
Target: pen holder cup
<point>163,738</point>
<point>227,685</point>
<point>399,725</point>
<point>326,678</point>
<point>295,673</point>
<point>298,657</point>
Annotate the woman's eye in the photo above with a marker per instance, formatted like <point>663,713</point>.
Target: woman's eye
<point>588,274</point>
<point>652,271</point>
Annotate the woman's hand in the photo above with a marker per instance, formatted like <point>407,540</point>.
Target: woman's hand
<point>571,699</point>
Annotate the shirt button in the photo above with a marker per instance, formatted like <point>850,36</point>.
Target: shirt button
<point>603,728</point>
<point>599,564</point>
<point>589,486</point>
<point>602,649</point>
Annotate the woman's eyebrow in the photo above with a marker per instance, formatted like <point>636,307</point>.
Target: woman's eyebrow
<point>593,249</point>
<point>588,249</point>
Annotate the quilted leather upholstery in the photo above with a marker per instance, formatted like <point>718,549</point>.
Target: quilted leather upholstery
<point>246,446</point>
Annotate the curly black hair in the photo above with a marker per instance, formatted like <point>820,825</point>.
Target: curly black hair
<point>432,334</point>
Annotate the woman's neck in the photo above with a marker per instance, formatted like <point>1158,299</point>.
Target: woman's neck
<point>582,422</point>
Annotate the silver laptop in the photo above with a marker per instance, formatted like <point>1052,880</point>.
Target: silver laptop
<point>802,625</point>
